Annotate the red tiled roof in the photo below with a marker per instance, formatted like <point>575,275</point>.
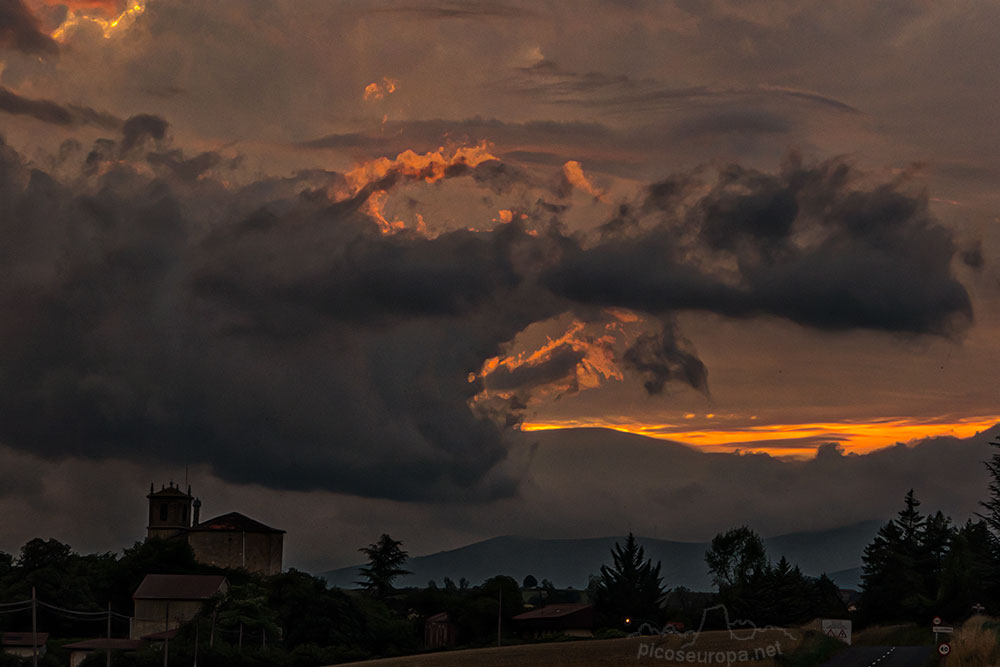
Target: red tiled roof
<point>552,611</point>
<point>178,586</point>
<point>104,643</point>
<point>22,638</point>
<point>438,618</point>
<point>235,522</point>
<point>165,634</point>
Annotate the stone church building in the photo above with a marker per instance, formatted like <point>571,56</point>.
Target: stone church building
<point>231,540</point>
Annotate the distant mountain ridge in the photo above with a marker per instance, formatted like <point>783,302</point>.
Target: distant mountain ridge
<point>570,562</point>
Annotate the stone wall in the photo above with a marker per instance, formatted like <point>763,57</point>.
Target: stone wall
<point>257,552</point>
<point>159,615</point>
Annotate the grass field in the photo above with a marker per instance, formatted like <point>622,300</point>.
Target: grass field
<point>976,643</point>
<point>708,648</point>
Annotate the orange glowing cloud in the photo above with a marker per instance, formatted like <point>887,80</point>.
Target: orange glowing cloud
<point>573,172</point>
<point>99,14</point>
<point>596,364</point>
<point>799,440</point>
<point>108,7</point>
<point>595,347</point>
<point>378,91</point>
<point>428,167</point>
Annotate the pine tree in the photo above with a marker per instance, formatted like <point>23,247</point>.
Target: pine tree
<point>967,576</point>
<point>897,577</point>
<point>910,521</point>
<point>991,505</point>
<point>937,541</point>
<point>631,588</point>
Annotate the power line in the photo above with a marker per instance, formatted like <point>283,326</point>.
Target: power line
<point>73,611</point>
<point>11,604</point>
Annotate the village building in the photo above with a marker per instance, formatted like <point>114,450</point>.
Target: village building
<point>22,645</point>
<point>440,631</point>
<point>165,602</point>
<point>231,540</point>
<point>571,620</point>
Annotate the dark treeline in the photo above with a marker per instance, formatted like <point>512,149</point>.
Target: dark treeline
<point>920,566</point>
<point>754,589</point>
<point>917,566</point>
<point>923,565</point>
<point>290,618</point>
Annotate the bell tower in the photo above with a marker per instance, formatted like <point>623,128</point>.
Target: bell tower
<point>169,511</point>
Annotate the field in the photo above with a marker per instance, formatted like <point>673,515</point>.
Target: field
<point>710,648</point>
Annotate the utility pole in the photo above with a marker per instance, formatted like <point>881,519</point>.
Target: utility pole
<point>211,636</point>
<point>499,610</point>
<point>34,628</point>
<point>109,634</point>
<point>197,626</point>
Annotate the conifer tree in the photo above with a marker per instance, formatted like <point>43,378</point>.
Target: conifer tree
<point>991,506</point>
<point>385,561</point>
<point>897,581</point>
<point>631,588</point>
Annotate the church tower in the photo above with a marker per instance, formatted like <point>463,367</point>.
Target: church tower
<point>169,511</point>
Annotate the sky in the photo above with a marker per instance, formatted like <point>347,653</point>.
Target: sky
<point>358,267</point>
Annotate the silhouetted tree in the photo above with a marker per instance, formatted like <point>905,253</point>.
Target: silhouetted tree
<point>736,558</point>
<point>968,574</point>
<point>991,505</point>
<point>631,587</point>
<point>385,560</point>
<point>738,564</point>
<point>896,576</point>
<point>245,612</point>
<point>530,582</point>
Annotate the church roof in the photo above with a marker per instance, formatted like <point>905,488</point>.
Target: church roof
<point>179,586</point>
<point>235,522</point>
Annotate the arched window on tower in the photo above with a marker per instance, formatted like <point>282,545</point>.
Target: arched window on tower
<point>163,512</point>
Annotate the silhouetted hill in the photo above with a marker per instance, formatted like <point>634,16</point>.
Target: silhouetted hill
<point>569,563</point>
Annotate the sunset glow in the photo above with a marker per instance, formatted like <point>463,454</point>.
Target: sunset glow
<point>856,437</point>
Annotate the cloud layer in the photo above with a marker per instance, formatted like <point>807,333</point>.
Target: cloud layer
<point>151,310</point>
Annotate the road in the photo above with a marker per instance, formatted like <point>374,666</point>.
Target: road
<point>882,656</point>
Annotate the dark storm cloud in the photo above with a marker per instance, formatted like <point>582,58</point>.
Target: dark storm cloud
<point>54,113</point>
<point>663,357</point>
<point>811,245</point>
<point>139,127</point>
<point>20,30</point>
<point>278,336</point>
<point>187,169</point>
